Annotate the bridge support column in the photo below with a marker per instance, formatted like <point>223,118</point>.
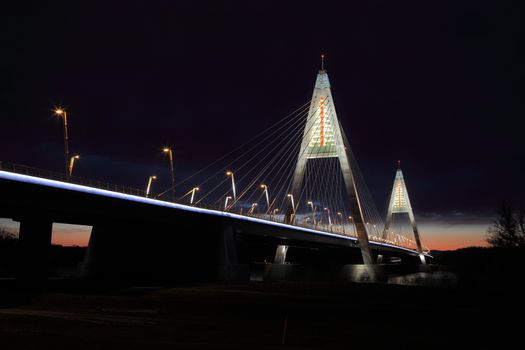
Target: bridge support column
<point>98,251</point>
<point>280,254</point>
<point>34,243</point>
<point>229,268</point>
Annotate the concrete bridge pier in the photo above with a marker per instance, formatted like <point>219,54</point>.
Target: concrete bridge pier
<point>280,254</point>
<point>145,251</point>
<point>33,247</point>
<point>98,251</point>
<point>229,268</point>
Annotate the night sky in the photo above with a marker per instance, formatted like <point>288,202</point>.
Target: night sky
<point>436,84</point>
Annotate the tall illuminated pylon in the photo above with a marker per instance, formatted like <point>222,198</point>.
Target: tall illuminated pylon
<point>323,137</point>
<point>400,204</point>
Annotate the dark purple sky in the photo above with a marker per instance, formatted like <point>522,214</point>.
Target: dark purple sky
<point>437,84</point>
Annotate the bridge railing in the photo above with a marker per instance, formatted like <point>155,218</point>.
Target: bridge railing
<point>50,175</point>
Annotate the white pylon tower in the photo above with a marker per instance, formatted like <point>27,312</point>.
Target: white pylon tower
<point>323,137</point>
<point>400,204</point>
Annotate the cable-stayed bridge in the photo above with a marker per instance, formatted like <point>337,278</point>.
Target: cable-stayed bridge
<point>293,193</point>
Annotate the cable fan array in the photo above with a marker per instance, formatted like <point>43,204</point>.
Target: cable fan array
<point>255,179</point>
<point>397,232</point>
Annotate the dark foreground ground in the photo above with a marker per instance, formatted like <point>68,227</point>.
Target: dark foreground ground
<point>483,310</point>
<point>261,316</point>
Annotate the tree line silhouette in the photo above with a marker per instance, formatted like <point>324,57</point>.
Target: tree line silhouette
<point>508,229</point>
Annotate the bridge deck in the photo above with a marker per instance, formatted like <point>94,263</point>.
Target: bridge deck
<point>62,185</point>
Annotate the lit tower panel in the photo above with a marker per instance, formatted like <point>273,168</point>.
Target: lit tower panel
<point>320,132</point>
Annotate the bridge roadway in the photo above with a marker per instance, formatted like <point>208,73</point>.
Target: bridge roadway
<point>138,237</point>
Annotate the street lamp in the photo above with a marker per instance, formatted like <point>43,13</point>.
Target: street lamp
<point>293,208</point>
<point>329,218</point>
<point>265,190</point>
<point>150,180</point>
<point>169,152</point>
<point>351,220</point>
<point>275,212</point>
<point>62,113</point>
<point>313,210</point>
<point>226,202</point>
<point>72,164</point>
<point>254,205</point>
<point>195,189</point>
<point>229,173</point>
<point>341,216</point>
<point>367,228</point>
<point>342,223</point>
<point>293,203</point>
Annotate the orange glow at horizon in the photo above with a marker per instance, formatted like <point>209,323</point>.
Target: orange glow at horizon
<point>71,235</point>
<point>435,235</point>
<point>451,237</point>
<point>456,243</point>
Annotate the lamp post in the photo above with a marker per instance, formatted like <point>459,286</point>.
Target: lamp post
<point>339,214</point>
<point>293,208</point>
<point>351,220</point>
<point>293,203</point>
<point>62,113</point>
<point>229,173</point>
<point>329,218</point>
<point>72,163</point>
<point>265,190</point>
<point>313,210</point>
<point>254,205</point>
<point>195,189</point>
<point>226,202</point>
<point>341,222</point>
<point>275,211</point>
<point>169,152</point>
<point>150,180</point>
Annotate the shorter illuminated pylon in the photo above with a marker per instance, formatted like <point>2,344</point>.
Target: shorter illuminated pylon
<point>400,204</point>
